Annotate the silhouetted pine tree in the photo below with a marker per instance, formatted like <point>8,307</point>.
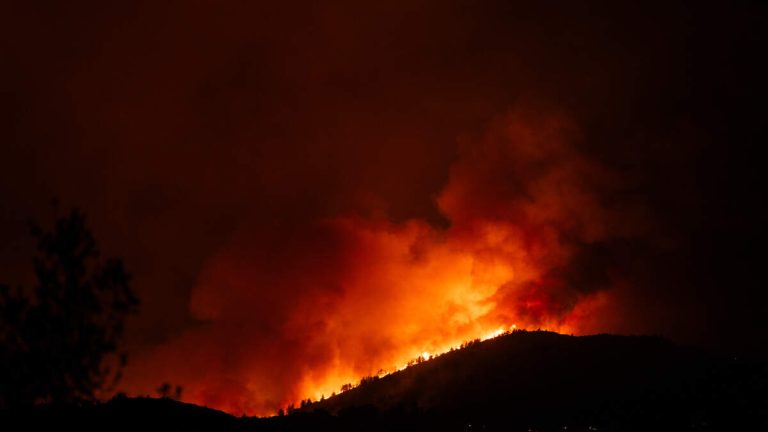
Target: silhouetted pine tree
<point>59,340</point>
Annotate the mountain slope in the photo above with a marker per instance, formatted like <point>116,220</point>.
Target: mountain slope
<point>551,381</point>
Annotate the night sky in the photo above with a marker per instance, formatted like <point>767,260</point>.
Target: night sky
<point>308,193</point>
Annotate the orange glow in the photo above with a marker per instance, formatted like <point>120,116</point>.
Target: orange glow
<point>349,297</point>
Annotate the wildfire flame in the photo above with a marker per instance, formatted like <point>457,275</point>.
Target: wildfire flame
<point>320,305</point>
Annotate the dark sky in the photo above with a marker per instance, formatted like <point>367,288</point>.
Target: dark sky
<point>263,168</point>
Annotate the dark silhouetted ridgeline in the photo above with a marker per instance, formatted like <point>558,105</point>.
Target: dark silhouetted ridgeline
<point>524,381</point>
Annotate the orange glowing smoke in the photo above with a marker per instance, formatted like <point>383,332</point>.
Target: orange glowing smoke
<point>293,311</point>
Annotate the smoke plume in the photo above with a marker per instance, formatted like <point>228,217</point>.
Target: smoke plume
<point>295,310</point>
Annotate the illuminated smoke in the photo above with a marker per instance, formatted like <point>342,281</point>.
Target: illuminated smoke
<point>295,310</point>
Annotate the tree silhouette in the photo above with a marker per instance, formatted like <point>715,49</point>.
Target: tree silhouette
<point>164,391</point>
<point>168,391</point>
<point>59,339</point>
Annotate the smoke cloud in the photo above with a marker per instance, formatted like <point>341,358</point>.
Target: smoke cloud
<point>291,311</point>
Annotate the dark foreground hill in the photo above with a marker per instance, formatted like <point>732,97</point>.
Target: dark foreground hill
<point>525,381</point>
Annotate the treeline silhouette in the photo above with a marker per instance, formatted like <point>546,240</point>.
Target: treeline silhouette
<point>382,373</point>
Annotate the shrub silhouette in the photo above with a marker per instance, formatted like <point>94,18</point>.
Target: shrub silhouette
<point>164,391</point>
<point>168,391</point>
<point>59,339</point>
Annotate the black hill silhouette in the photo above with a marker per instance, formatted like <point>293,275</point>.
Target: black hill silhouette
<point>523,381</point>
<point>59,340</point>
<point>546,381</point>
